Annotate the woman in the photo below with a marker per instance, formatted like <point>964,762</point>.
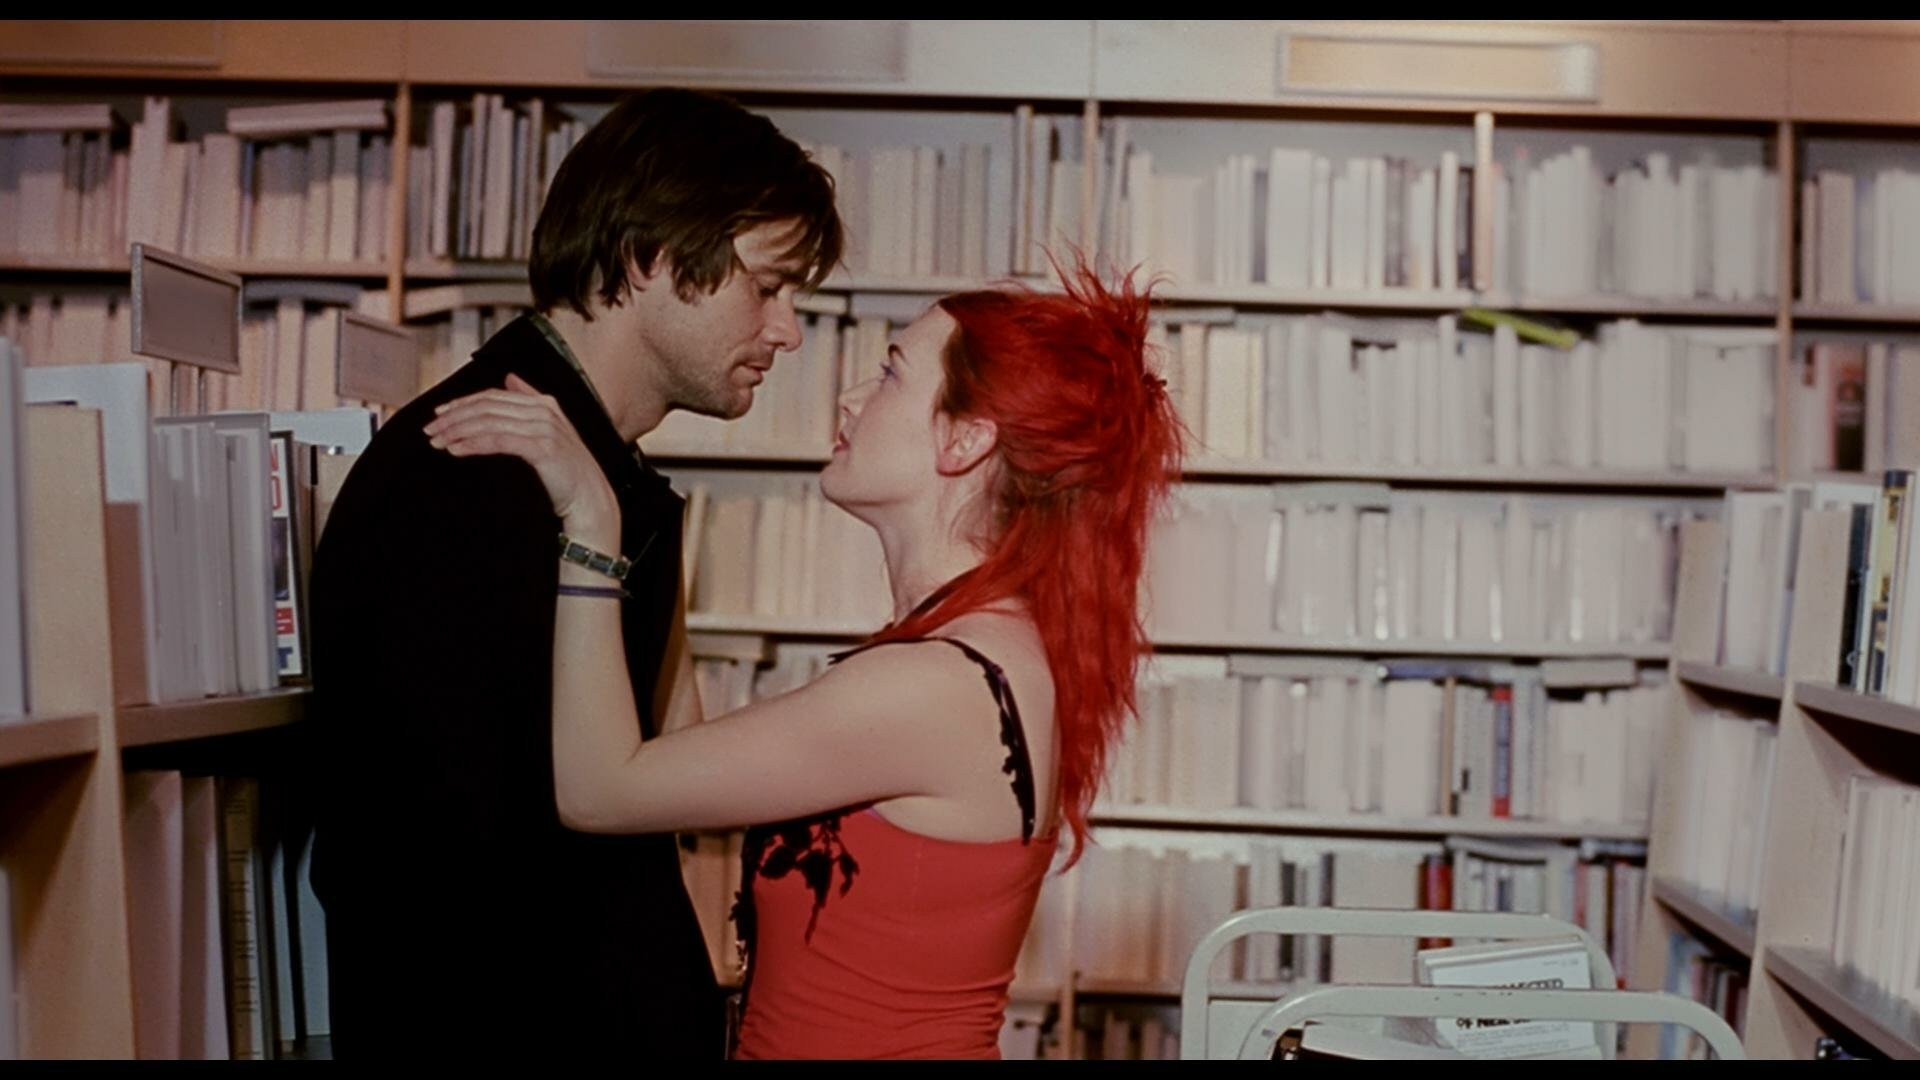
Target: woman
<point>1010,456</point>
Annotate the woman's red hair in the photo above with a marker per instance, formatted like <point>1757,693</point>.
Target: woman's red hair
<point>1088,443</point>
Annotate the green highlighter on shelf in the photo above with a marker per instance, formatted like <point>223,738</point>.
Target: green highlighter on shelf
<point>1529,329</point>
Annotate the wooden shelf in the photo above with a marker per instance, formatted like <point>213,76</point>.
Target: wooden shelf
<point>1303,821</point>
<point>1634,650</point>
<point>1033,994</point>
<point>465,270</point>
<point>1169,989</point>
<point>733,456</point>
<point>146,725</point>
<point>118,265</point>
<point>1432,301</point>
<point>1831,700</point>
<point>1862,313</point>
<point>37,738</point>
<point>1206,468</point>
<point>807,626</point>
<point>1729,928</point>
<point>1892,1027</point>
<point>1754,684</point>
<point>1631,306</point>
<point>783,625</point>
<point>1477,475</point>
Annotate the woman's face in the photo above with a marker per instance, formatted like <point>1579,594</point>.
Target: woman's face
<point>887,447</point>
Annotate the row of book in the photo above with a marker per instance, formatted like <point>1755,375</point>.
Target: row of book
<point>1562,226</point>
<point>1340,390</point>
<point>917,211</point>
<point>210,532</point>
<point>796,406</point>
<point>1146,897</point>
<point>227,938</point>
<point>1725,773</point>
<point>1368,563</point>
<point>477,182</point>
<point>1338,737</point>
<point>1860,237</point>
<point>1879,648</point>
<point>1295,218</point>
<point>1855,407</point>
<point>772,546</point>
<point>1136,1033</point>
<point>306,181</point>
<point>289,343</point>
<point>1876,934</point>
<point>1694,971</point>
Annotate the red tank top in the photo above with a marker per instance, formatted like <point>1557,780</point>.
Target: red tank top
<point>870,941</point>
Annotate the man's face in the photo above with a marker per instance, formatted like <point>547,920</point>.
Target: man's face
<point>712,350</point>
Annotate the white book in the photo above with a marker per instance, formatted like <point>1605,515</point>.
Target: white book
<point>243,439</point>
<point>343,193</point>
<point>1446,241</point>
<point>147,172</point>
<point>1439,572</point>
<point>442,141</point>
<point>975,211</point>
<point>155,836</point>
<point>1289,227</point>
<point>1564,964</point>
<point>264,121</point>
<point>14,626</point>
<point>494,170</point>
<point>923,249</point>
<point>316,235</point>
<point>119,391</point>
<point>1229,394</point>
<point>376,173</point>
<point>1320,226</point>
<point>1506,396</point>
<point>203,996</point>
<point>1348,242</point>
<point>1374,270</point>
<point>217,219</point>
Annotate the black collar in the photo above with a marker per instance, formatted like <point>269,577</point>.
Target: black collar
<point>521,348</point>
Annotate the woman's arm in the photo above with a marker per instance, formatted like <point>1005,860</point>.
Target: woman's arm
<point>872,728</point>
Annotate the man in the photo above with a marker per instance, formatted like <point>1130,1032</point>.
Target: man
<point>462,917</point>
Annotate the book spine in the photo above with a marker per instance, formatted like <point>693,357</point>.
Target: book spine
<point>1502,751</point>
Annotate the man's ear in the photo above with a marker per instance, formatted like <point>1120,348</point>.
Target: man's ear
<point>965,443</point>
<point>641,278</point>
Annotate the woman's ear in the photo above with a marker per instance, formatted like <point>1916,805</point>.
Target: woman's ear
<point>965,443</point>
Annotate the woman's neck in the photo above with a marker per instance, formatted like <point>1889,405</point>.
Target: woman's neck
<point>918,565</point>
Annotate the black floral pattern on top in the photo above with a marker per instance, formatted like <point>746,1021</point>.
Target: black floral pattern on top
<point>813,846</point>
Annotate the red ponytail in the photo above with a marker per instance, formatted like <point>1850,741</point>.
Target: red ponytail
<point>1088,445</point>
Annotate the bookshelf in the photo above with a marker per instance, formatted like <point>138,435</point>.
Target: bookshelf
<point>1854,1005</point>
<point>48,738</point>
<point>1731,929</point>
<point>147,725</point>
<point>1302,822</point>
<point>1192,88</point>
<point>1752,684</point>
<point>1829,700</point>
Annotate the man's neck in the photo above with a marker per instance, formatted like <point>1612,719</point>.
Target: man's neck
<point>604,351</point>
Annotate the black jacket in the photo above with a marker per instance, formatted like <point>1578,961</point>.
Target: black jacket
<point>461,915</point>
